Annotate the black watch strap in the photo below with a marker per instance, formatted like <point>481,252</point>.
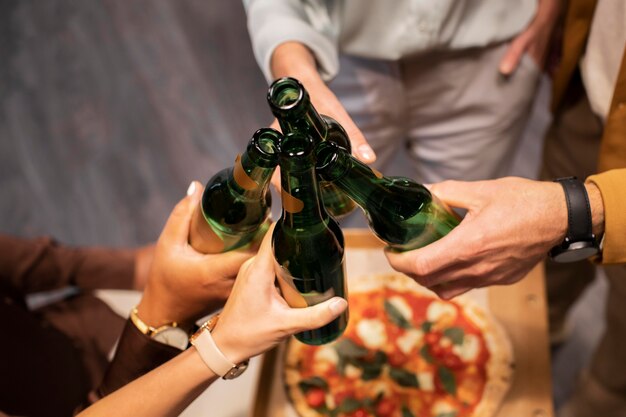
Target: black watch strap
<point>579,243</point>
<point>579,224</point>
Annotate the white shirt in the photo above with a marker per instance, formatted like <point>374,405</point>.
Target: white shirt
<point>603,56</point>
<point>381,29</point>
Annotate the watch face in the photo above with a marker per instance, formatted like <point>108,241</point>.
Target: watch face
<point>173,336</point>
<point>236,371</point>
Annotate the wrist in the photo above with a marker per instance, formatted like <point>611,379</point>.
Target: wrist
<point>597,208</point>
<point>294,59</point>
<point>157,314</point>
<point>226,345</point>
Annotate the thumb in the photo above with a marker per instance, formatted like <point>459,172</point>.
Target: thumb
<point>316,316</point>
<point>459,194</point>
<point>176,228</point>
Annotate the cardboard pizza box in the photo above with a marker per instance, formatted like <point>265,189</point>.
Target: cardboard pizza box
<point>520,308</point>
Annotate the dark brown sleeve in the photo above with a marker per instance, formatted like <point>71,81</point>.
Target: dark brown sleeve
<point>136,355</point>
<point>32,265</point>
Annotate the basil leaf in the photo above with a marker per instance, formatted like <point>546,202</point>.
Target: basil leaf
<point>426,326</point>
<point>448,414</point>
<point>347,348</point>
<point>371,369</point>
<point>396,317</point>
<point>447,380</point>
<point>406,412</point>
<point>349,405</point>
<point>426,354</point>
<point>314,382</point>
<point>456,334</point>
<point>404,378</point>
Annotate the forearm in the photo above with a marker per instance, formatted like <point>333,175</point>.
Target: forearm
<point>182,379</point>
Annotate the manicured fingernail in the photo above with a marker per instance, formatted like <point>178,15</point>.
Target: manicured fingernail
<point>366,152</point>
<point>337,306</point>
<point>192,188</point>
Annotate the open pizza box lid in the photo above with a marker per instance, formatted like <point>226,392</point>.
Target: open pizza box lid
<point>520,309</point>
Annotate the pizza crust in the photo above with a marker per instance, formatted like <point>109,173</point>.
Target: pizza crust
<point>499,367</point>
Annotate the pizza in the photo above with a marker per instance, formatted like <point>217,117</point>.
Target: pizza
<point>405,353</point>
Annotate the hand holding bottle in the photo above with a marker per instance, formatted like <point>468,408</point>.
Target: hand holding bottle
<point>183,284</point>
<point>256,317</point>
<point>293,59</point>
<point>510,226</point>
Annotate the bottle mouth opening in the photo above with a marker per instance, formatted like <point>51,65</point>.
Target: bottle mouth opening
<point>267,140</point>
<point>285,93</point>
<point>325,155</point>
<point>296,145</point>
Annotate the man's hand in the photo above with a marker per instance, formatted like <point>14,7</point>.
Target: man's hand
<point>256,317</point>
<point>293,59</point>
<point>184,285</point>
<point>534,39</point>
<point>510,226</point>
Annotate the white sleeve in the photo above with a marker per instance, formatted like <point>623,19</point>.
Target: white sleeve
<point>272,22</point>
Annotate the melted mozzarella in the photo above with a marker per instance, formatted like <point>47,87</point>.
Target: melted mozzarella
<point>426,381</point>
<point>352,371</point>
<point>468,351</point>
<point>439,311</point>
<point>403,307</point>
<point>442,407</point>
<point>372,333</point>
<point>409,340</point>
<point>327,354</point>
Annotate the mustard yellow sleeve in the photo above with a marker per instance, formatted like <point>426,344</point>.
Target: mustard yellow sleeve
<point>612,185</point>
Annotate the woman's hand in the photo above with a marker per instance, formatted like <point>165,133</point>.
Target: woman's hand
<point>256,317</point>
<point>184,285</point>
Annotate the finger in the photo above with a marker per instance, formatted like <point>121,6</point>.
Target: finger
<point>176,228</point>
<point>227,264</point>
<point>422,264</point>
<point>360,148</point>
<point>276,179</point>
<point>262,265</point>
<point>459,194</point>
<point>513,55</point>
<point>300,319</point>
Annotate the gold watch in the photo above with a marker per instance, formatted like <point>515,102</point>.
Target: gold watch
<point>170,334</point>
<point>212,355</point>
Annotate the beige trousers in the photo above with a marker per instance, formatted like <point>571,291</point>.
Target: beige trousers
<point>571,148</point>
<point>454,114</point>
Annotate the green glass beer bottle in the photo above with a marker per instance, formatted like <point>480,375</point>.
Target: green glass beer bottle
<point>401,212</point>
<point>291,105</point>
<point>236,202</point>
<point>308,244</point>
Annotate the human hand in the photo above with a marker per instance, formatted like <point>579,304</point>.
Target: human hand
<point>293,59</point>
<point>256,317</point>
<point>534,40</point>
<point>184,285</point>
<point>511,224</point>
<point>143,260</point>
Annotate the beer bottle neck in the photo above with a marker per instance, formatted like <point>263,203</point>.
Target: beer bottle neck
<point>249,179</point>
<point>301,199</point>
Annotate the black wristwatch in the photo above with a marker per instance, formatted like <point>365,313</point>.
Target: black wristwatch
<point>580,242</point>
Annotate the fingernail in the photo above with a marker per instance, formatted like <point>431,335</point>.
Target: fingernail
<point>366,152</point>
<point>337,306</point>
<point>192,188</point>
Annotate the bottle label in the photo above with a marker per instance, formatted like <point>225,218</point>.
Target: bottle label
<point>376,172</point>
<point>241,176</point>
<point>291,204</point>
<point>295,298</point>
